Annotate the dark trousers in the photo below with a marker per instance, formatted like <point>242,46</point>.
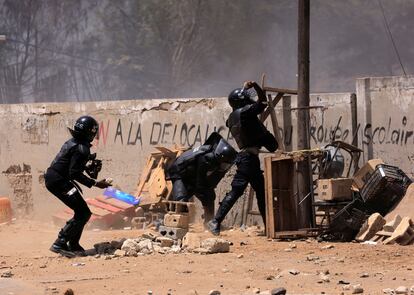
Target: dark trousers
<point>71,196</point>
<point>248,171</point>
<point>183,190</point>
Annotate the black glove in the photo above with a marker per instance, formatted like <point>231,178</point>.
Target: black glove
<point>102,183</point>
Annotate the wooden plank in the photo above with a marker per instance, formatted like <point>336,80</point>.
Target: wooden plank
<point>266,113</point>
<point>145,175</point>
<point>115,202</point>
<point>275,124</point>
<point>103,205</point>
<point>270,218</point>
<point>273,89</point>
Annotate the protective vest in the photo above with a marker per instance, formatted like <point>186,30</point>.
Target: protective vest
<point>61,163</point>
<point>248,132</point>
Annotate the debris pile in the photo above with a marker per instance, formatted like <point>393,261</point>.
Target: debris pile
<point>378,189</point>
<point>398,231</point>
<point>151,243</point>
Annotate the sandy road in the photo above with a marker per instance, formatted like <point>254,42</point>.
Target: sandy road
<point>264,265</point>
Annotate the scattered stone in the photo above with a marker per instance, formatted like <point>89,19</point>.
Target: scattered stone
<point>324,278</point>
<point>78,264</point>
<point>412,289</point>
<point>214,292</point>
<point>120,253</point>
<point>192,292</point>
<point>108,257</point>
<point>256,290</point>
<point>243,243</point>
<point>43,266</point>
<point>292,246</point>
<point>175,249</point>
<point>69,292</point>
<point>312,258</point>
<point>226,270</point>
<point>357,289</point>
<point>240,256</point>
<point>7,274</point>
<point>343,282</point>
<point>150,235</point>
<point>191,241</point>
<point>346,287</point>
<point>294,272</point>
<point>364,275</point>
<point>328,247</point>
<point>278,291</point>
<point>216,245</point>
<point>201,251</point>
<point>270,277</point>
<point>388,291</point>
<point>288,250</point>
<point>165,242</point>
<point>401,290</point>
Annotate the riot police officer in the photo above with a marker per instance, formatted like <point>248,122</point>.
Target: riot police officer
<point>62,178</point>
<point>250,135</point>
<point>198,171</point>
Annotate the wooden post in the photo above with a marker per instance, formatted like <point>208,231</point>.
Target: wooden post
<point>304,174</point>
<point>287,123</point>
<point>354,112</point>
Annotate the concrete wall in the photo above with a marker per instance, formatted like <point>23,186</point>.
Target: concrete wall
<point>386,123</point>
<point>32,134</point>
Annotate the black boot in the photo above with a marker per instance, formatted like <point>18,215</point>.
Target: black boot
<point>60,246</point>
<point>225,206</point>
<point>75,247</point>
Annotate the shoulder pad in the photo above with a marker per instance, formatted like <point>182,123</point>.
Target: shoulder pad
<point>245,108</point>
<point>84,149</point>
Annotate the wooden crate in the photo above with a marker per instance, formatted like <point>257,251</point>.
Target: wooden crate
<point>282,196</point>
<point>281,209</point>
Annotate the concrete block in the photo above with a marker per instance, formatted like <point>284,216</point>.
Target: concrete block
<point>393,224</point>
<point>370,227</point>
<point>403,234</point>
<point>165,242</point>
<point>174,233</point>
<point>216,245</point>
<point>191,241</point>
<point>176,220</point>
<point>139,212</point>
<point>139,222</point>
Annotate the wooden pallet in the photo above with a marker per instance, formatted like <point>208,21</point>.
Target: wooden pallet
<point>152,186</point>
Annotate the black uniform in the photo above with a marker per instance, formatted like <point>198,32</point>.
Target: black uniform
<point>198,172</point>
<point>61,177</point>
<point>250,135</point>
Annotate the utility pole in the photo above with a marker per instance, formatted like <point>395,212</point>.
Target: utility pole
<point>304,175</point>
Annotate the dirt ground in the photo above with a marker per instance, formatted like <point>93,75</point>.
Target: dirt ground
<point>264,265</point>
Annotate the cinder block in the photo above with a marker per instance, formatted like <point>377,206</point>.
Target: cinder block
<point>392,225</point>
<point>403,234</point>
<point>139,222</point>
<point>370,227</point>
<point>176,220</point>
<point>174,233</point>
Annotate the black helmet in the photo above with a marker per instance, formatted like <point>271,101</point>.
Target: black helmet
<point>239,98</point>
<point>85,128</point>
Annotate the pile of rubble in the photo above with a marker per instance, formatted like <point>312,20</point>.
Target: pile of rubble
<point>152,242</point>
<point>377,230</point>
